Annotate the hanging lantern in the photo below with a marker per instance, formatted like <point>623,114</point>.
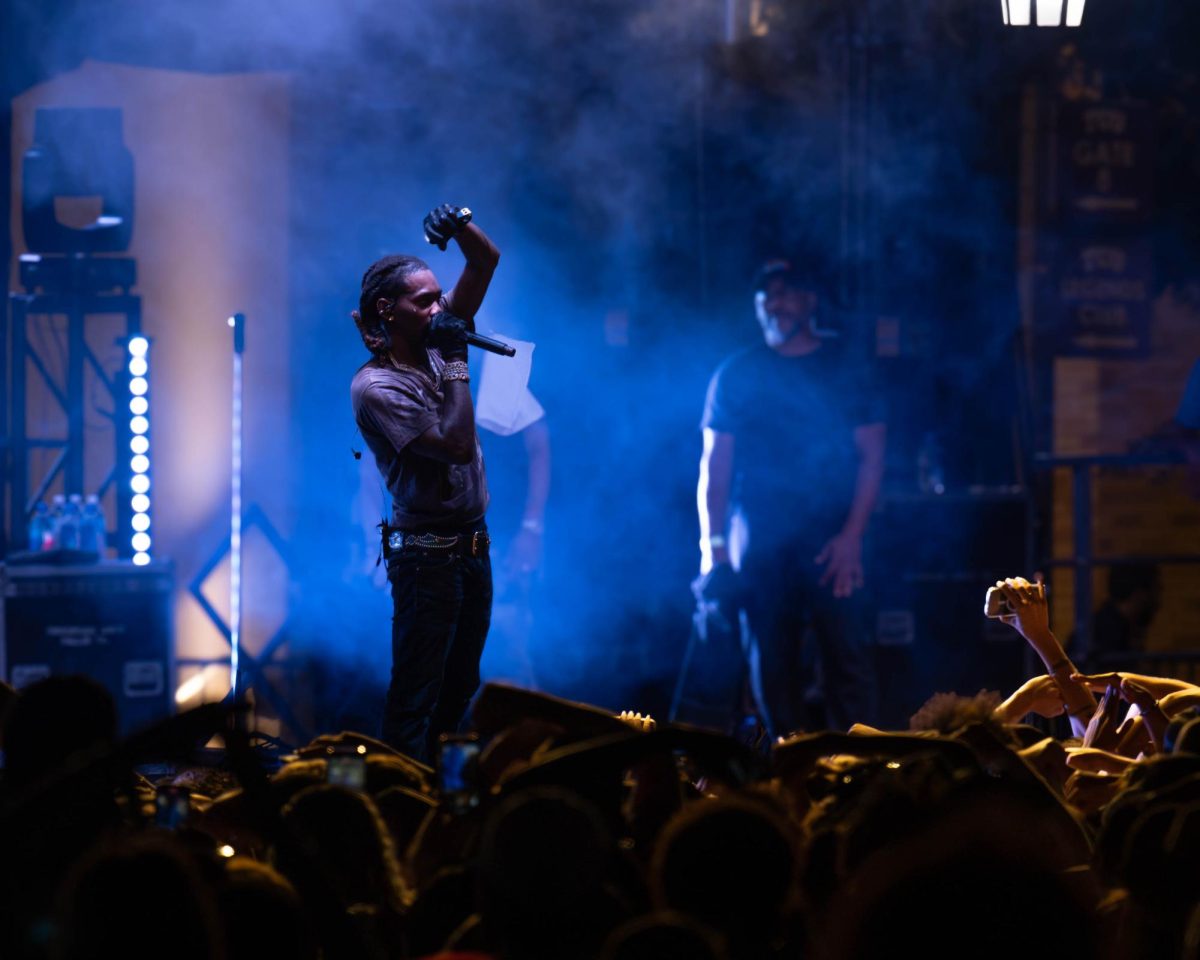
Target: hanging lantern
<point>1018,13</point>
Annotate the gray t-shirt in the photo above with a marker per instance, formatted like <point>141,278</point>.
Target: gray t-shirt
<point>395,405</point>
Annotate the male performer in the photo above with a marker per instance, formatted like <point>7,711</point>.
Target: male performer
<point>793,450</point>
<point>412,402</point>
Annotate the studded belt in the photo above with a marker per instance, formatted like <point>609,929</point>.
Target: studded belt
<point>471,544</point>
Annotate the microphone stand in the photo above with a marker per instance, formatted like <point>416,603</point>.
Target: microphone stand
<point>237,323</point>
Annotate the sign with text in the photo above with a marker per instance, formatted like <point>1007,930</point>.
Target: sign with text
<point>1105,168</point>
<point>1102,291</point>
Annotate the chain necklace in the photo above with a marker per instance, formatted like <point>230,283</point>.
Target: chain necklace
<point>432,375</point>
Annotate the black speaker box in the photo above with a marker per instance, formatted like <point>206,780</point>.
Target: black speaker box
<point>109,621</point>
<point>931,562</point>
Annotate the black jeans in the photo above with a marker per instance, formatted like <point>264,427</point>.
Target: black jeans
<point>783,602</point>
<point>441,610</point>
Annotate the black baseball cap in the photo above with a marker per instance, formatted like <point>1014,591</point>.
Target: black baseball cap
<point>803,275</point>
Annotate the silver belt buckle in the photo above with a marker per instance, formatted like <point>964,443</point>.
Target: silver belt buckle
<point>396,540</point>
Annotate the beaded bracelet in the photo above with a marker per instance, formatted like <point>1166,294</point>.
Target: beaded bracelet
<point>456,370</point>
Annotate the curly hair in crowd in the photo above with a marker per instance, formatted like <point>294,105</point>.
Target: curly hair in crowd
<point>949,712</point>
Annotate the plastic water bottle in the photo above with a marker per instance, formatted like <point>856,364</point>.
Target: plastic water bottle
<point>91,526</point>
<point>68,528</point>
<point>58,510</point>
<point>39,528</point>
<point>931,475</point>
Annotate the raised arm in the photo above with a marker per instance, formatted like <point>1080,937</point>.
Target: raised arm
<point>1031,618</point>
<point>482,256</point>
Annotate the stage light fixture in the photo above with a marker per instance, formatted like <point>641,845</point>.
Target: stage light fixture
<point>77,152</point>
<point>1018,13</point>
<point>139,445</point>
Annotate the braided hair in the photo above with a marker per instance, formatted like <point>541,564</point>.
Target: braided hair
<point>384,278</point>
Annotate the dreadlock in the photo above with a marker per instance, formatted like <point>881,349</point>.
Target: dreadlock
<point>384,278</point>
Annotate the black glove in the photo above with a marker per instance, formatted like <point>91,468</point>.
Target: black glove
<point>444,222</point>
<point>721,587</point>
<point>448,335</point>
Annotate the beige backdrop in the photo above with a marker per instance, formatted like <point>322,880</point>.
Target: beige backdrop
<point>210,238</point>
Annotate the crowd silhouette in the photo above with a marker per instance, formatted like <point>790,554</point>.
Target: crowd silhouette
<point>1017,828</point>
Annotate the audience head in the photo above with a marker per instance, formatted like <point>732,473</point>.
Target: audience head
<point>729,863</point>
<point>948,713</point>
<point>53,719</point>
<point>262,913</point>
<point>138,890</point>
<point>664,936</point>
<point>544,860</point>
<point>343,831</point>
<point>975,883</point>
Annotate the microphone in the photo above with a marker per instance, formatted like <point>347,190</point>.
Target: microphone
<point>490,345</point>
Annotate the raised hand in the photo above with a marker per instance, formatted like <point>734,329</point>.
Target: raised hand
<point>1152,715</point>
<point>1102,729</point>
<point>1097,761</point>
<point>1031,613</point>
<point>1040,695</point>
<point>1159,686</point>
<point>444,222</point>
<point>1089,791</point>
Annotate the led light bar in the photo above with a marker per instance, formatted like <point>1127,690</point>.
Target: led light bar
<point>139,448</point>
